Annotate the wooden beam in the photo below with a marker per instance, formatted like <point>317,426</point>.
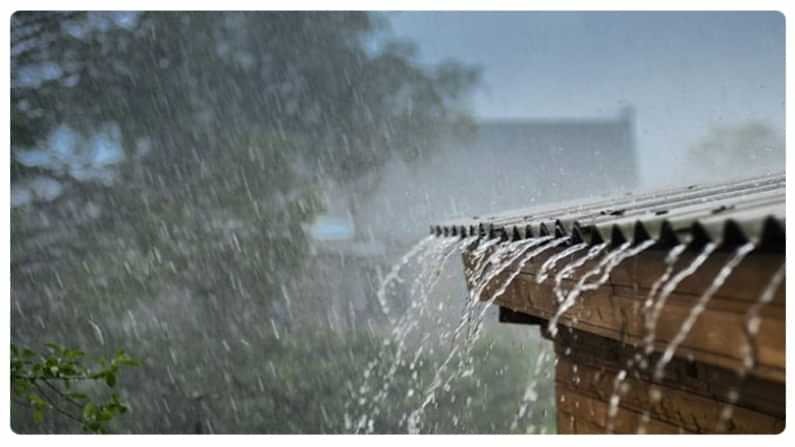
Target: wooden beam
<point>615,309</point>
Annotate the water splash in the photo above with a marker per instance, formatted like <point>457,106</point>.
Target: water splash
<point>670,261</point>
<point>502,258</point>
<point>655,310</point>
<point>479,257</point>
<point>474,300</point>
<point>474,270</point>
<point>667,290</point>
<point>414,420</point>
<point>751,329</point>
<point>527,258</point>
<point>530,394</point>
<point>753,321</point>
<point>655,395</point>
<point>549,264</point>
<point>423,281</point>
<point>438,268</point>
<point>615,399</point>
<point>393,275</point>
<point>606,266</point>
<point>431,257</point>
<point>569,269</point>
<point>700,306</point>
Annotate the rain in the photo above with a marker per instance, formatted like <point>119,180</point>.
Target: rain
<point>219,220</point>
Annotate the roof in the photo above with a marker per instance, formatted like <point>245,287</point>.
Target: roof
<point>599,151</point>
<point>534,158</point>
<point>729,213</point>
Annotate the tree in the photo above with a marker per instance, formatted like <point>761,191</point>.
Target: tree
<point>196,87</point>
<point>742,150</point>
<point>226,124</point>
<point>57,380</point>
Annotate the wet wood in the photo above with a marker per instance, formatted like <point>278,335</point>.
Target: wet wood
<point>615,310</point>
<point>692,397</point>
<point>581,414</point>
<point>604,333</point>
<point>696,378</point>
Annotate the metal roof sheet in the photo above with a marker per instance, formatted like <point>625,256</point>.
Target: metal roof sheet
<point>727,213</point>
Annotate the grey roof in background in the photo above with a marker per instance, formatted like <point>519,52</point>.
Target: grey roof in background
<point>729,213</point>
<point>598,151</point>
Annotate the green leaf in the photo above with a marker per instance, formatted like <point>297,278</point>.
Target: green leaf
<point>124,359</point>
<point>110,378</point>
<point>38,415</point>
<point>63,366</point>
<point>105,414</point>
<point>36,400</point>
<point>39,405</point>
<point>89,412</point>
<point>21,386</point>
<point>73,354</point>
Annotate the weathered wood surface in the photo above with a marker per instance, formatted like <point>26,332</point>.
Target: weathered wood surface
<point>615,309</point>
<point>693,395</point>
<point>604,332</point>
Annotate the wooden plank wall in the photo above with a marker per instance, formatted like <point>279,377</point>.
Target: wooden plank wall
<point>607,326</point>
<point>693,394</point>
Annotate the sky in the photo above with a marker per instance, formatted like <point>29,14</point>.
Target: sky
<point>683,72</point>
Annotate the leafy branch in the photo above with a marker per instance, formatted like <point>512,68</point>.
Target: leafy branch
<point>48,381</point>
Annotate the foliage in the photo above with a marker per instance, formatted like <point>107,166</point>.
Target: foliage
<point>231,123</point>
<point>231,126</point>
<point>56,380</point>
<point>190,82</point>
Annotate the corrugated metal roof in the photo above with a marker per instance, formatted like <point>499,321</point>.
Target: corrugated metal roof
<point>729,213</point>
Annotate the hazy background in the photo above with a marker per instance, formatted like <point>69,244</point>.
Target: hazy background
<point>685,72</point>
<point>222,194</point>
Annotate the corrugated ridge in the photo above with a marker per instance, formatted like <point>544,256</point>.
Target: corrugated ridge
<point>728,213</point>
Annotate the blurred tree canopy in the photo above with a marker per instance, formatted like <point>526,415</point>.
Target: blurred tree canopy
<point>218,112</point>
<point>227,126</point>
<point>193,85</point>
<point>734,150</point>
<point>213,110</point>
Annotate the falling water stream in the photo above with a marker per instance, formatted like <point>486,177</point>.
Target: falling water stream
<point>619,389</point>
<point>524,255</point>
<point>549,264</point>
<point>491,261</point>
<point>699,307</point>
<point>519,266</point>
<point>570,268</point>
<point>531,394</point>
<point>430,257</point>
<point>668,289</point>
<point>606,266</point>
<point>392,276</point>
<point>649,305</point>
<point>752,322</point>
<point>619,386</point>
